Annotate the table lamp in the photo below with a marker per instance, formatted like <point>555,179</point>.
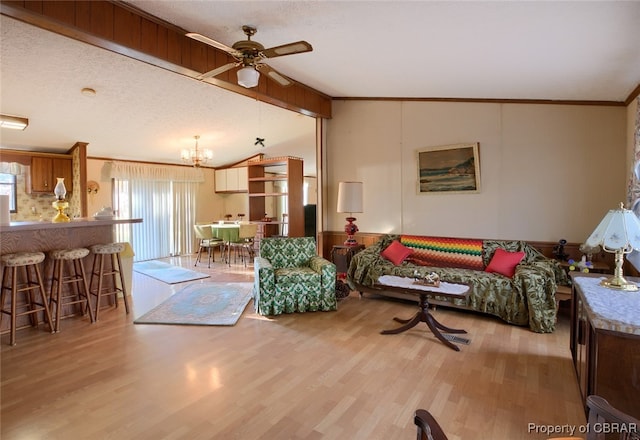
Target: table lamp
<point>618,233</point>
<point>350,201</point>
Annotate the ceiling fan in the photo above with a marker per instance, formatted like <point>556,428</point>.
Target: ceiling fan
<point>251,55</point>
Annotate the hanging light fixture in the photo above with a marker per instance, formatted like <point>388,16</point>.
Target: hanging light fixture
<point>248,77</point>
<point>196,156</point>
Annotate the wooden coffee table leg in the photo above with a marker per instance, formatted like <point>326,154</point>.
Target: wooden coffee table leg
<point>445,328</point>
<point>424,316</point>
<point>431,322</point>
<point>408,323</point>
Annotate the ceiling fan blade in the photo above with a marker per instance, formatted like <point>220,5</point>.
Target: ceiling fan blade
<point>214,43</point>
<point>287,49</point>
<point>274,75</point>
<point>218,71</point>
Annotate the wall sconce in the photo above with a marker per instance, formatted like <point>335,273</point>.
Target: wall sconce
<point>13,122</point>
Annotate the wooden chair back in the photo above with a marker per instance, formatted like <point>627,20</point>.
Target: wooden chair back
<point>428,427</point>
<point>607,422</point>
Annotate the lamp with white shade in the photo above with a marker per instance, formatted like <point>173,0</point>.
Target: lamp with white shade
<point>350,201</point>
<point>619,233</point>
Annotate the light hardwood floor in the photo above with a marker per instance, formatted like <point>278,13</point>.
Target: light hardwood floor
<point>324,375</point>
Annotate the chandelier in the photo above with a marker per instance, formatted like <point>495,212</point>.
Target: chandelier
<point>196,156</point>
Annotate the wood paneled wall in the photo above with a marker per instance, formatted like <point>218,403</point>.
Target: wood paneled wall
<point>121,28</point>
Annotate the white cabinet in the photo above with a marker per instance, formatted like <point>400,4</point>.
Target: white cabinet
<point>231,180</point>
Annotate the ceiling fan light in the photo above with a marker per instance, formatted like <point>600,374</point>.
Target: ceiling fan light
<point>248,77</point>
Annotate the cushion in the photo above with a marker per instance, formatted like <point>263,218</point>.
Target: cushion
<point>445,252</point>
<point>505,262</point>
<point>396,252</point>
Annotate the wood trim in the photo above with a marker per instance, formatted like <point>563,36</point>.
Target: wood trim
<point>633,95</point>
<point>123,29</point>
<point>490,101</point>
<point>24,156</point>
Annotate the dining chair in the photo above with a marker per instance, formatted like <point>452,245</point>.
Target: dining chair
<point>204,233</point>
<point>612,422</point>
<point>245,242</point>
<point>285,225</point>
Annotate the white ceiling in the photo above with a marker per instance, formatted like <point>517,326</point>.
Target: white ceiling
<point>549,50</point>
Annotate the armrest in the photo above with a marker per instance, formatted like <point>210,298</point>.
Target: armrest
<point>325,268</point>
<point>536,282</point>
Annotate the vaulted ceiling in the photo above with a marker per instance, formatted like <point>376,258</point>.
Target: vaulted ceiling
<point>561,51</point>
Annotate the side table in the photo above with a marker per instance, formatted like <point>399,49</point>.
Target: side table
<point>341,256</point>
<point>565,293</point>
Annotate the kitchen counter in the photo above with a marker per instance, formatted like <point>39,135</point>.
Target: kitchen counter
<point>75,223</point>
<point>46,236</point>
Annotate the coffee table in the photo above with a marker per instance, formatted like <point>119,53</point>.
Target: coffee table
<point>408,285</point>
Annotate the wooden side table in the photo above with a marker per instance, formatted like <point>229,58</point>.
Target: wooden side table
<point>565,293</point>
<point>341,256</point>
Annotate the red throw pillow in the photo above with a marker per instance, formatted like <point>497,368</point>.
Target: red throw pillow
<point>396,252</point>
<point>504,262</point>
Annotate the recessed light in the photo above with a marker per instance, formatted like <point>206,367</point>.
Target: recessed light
<point>88,92</point>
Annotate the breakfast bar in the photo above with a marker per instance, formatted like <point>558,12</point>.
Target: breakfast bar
<point>47,236</point>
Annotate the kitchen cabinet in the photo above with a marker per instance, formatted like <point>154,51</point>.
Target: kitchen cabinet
<point>231,180</point>
<point>43,173</point>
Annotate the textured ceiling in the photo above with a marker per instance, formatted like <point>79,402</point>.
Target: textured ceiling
<point>139,112</point>
<point>551,50</point>
<point>574,50</point>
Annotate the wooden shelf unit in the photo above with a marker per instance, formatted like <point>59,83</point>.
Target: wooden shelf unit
<point>258,177</point>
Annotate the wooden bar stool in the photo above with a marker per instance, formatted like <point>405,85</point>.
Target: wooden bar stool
<point>99,272</point>
<point>76,276</point>
<point>34,302</point>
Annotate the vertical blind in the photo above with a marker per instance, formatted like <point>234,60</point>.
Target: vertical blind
<point>164,199</point>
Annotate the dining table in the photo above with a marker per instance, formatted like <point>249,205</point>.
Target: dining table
<point>228,233</point>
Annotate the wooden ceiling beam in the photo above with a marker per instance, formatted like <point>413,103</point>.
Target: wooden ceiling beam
<point>123,29</point>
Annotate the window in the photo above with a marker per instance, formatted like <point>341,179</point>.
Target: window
<point>8,188</point>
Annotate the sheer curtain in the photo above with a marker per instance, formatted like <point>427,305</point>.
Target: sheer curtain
<point>633,190</point>
<point>165,198</point>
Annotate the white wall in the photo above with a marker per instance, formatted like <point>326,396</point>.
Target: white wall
<point>547,171</point>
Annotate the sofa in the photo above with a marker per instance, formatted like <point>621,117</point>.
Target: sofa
<point>518,286</point>
<point>291,277</point>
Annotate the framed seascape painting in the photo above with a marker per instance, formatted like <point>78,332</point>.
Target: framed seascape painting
<point>449,169</point>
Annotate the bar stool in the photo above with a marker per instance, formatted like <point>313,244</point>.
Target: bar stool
<point>30,262</point>
<point>99,272</point>
<point>76,276</point>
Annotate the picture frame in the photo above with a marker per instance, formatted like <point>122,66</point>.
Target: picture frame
<point>449,169</point>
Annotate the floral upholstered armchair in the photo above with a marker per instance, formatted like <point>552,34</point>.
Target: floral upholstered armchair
<point>291,277</point>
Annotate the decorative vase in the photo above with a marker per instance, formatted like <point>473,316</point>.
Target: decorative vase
<point>60,190</point>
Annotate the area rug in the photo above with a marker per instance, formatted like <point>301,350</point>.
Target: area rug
<point>166,272</point>
<point>202,304</point>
